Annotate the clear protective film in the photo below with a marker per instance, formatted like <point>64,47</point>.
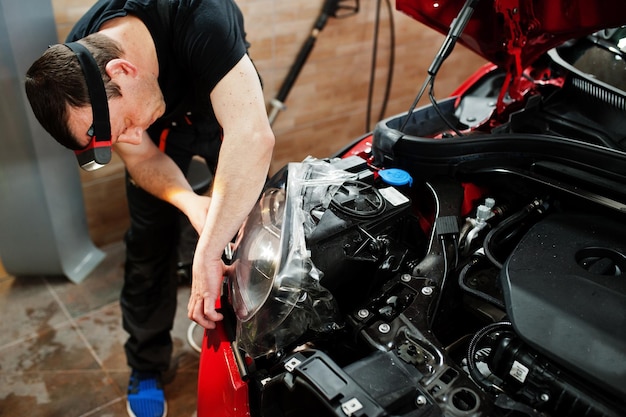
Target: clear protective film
<point>276,290</point>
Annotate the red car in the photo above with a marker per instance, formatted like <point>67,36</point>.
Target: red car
<point>466,258</point>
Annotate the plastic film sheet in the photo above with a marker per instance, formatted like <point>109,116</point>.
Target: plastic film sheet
<point>285,292</point>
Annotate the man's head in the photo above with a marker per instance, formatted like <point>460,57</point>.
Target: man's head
<point>55,84</point>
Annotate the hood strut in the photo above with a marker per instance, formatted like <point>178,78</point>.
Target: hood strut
<point>456,28</point>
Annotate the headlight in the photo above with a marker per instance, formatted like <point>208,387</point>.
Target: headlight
<point>258,254</point>
<point>275,290</point>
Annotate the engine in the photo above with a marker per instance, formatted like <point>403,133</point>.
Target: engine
<point>450,298</point>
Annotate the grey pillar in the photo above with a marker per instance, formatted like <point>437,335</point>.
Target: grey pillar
<point>43,227</point>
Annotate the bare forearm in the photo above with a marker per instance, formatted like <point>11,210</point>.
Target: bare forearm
<point>241,172</point>
<point>160,176</point>
<point>239,180</point>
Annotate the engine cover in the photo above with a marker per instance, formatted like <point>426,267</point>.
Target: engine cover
<point>565,292</point>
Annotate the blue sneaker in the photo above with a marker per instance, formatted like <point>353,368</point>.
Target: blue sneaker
<point>145,395</point>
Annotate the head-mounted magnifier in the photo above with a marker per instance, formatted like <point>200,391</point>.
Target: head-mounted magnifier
<point>98,153</point>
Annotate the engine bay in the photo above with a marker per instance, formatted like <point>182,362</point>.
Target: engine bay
<point>423,273</point>
<point>506,303</point>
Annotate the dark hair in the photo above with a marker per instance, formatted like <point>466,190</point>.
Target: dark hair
<point>56,82</point>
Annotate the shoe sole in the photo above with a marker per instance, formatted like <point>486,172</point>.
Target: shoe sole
<point>131,414</point>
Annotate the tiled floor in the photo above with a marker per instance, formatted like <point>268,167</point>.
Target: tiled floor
<point>61,346</point>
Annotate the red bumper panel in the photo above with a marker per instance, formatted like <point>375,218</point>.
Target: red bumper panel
<point>221,391</point>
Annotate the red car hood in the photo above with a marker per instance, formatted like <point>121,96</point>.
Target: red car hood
<point>513,33</point>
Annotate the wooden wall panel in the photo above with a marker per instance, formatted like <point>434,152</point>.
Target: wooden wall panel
<point>326,108</point>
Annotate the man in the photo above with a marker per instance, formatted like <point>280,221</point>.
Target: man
<point>177,82</point>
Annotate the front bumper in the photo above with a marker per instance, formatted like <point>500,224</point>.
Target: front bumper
<point>222,392</point>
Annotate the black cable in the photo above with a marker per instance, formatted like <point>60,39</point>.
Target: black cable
<point>444,276</point>
<point>431,95</point>
<point>370,91</point>
<point>390,70</point>
<point>418,97</point>
<point>392,60</point>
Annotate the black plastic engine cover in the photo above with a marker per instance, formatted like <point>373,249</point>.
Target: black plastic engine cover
<point>565,292</point>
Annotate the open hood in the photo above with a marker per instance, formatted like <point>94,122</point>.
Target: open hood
<point>513,33</point>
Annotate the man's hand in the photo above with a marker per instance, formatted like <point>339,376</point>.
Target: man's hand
<point>205,290</point>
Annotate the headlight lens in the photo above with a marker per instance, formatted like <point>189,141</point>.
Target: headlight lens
<point>258,254</point>
<point>276,291</point>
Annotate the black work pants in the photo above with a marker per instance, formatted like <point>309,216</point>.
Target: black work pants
<point>148,298</point>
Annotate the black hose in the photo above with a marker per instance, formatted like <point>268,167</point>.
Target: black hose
<point>479,294</point>
<point>495,235</point>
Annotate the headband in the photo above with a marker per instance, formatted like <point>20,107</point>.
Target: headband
<point>98,152</point>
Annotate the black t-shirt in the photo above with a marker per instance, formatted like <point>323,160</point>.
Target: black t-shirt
<point>197,43</point>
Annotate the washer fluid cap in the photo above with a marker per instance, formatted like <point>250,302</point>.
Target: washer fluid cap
<point>396,176</point>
